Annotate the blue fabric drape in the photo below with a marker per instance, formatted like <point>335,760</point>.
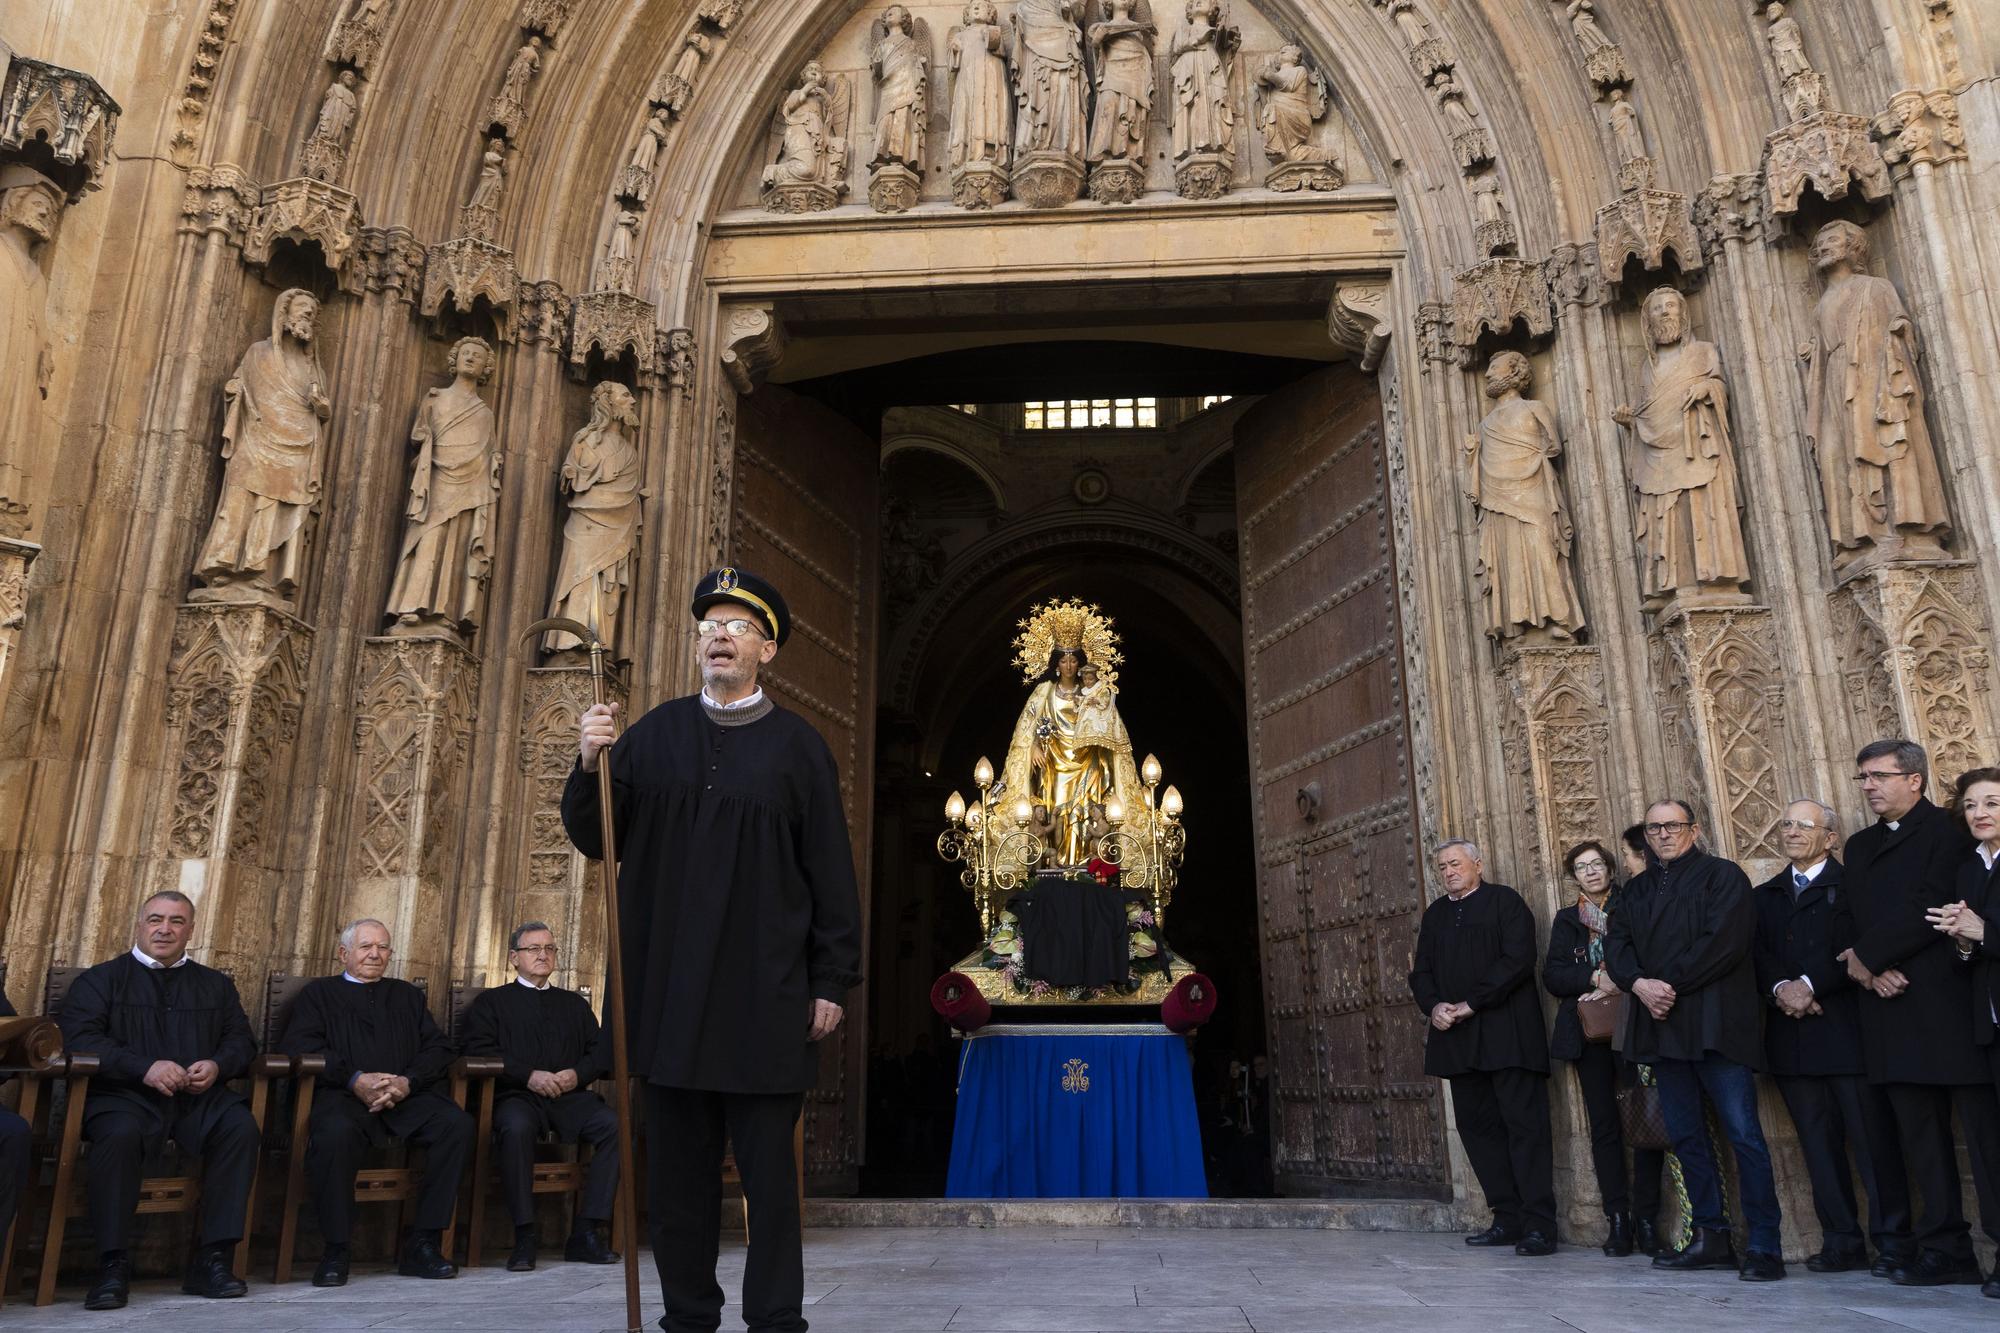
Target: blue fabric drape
<point>1080,1112</point>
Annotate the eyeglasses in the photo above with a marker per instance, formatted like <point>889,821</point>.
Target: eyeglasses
<point>1868,775</point>
<point>1592,864</point>
<point>1802,825</point>
<point>1674,827</point>
<point>548,949</point>
<point>736,629</point>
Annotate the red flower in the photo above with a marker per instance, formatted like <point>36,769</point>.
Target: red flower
<point>1103,871</point>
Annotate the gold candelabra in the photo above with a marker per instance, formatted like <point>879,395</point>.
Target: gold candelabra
<point>1158,832</point>
<point>997,859</point>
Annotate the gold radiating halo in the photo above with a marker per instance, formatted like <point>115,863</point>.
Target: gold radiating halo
<point>1067,624</point>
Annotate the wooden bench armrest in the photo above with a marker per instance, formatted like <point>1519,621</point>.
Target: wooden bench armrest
<point>477,1066</point>
<point>271,1066</point>
<point>308,1066</point>
<point>80,1064</point>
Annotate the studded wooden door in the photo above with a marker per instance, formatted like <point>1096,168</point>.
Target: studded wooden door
<point>1338,885</point>
<point>803,516</point>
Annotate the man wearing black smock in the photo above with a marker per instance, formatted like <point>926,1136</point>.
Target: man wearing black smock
<point>550,1050</point>
<point>1917,1007</point>
<point>384,1057</point>
<point>168,1034</point>
<point>1473,979</point>
<point>741,931</point>
<point>14,1155</point>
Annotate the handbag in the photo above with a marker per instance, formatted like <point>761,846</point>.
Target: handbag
<point>1601,1015</point>
<point>1642,1117</point>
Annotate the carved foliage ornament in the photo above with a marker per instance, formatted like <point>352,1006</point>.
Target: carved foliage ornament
<point>1357,320</point>
<point>1831,151</point>
<point>67,111</point>
<point>1920,130</point>
<point>753,340</point>
<point>200,84</point>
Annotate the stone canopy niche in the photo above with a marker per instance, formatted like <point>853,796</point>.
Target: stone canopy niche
<point>901,110</point>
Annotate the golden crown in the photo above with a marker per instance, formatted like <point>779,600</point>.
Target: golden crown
<point>1070,625</point>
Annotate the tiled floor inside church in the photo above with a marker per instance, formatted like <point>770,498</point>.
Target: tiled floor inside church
<point>1069,1280</point>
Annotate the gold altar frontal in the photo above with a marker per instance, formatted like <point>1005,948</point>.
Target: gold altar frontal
<point>997,990</point>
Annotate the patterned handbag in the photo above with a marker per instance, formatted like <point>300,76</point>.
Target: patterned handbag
<point>1640,1113</point>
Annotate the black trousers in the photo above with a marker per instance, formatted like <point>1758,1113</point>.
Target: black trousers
<point>343,1129</point>
<point>685,1130</point>
<point>217,1128</point>
<point>1836,1112</point>
<point>1598,1071</point>
<point>1503,1120</point>
<point>575,1117</point>
<point>14,1159</point>
<point>1923,1124</point>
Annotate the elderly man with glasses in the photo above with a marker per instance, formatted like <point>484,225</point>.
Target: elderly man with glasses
<point>1812,1048</point>
<point>551,1050</point>
<point>1681,945</point>
<point>1917,1015</point>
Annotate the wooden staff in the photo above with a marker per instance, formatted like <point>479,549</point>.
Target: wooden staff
<point>621,1099</point>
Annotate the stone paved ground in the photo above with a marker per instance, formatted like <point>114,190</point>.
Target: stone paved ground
<point>1068,1280</point>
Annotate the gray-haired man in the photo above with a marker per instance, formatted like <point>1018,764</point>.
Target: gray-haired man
<point>1473,978</point>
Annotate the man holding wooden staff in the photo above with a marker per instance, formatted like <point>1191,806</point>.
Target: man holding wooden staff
<point>741,934</point>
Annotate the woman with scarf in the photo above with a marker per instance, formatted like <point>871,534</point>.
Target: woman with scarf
<point>1574,970</point>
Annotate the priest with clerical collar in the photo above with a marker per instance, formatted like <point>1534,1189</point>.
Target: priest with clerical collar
<point>384,1055</point>
<point>169,1035</point>
<point>741,930</point>
<point>551,1050</point>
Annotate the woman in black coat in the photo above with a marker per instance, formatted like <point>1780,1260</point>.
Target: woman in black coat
<point>1574,968</point>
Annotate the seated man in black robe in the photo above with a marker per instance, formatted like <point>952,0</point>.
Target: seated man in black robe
<point>14,1144</point>
<point>384,1054</point>
<point>551,1050</point>
<point>169,1034</point>
<point>1473,978</point>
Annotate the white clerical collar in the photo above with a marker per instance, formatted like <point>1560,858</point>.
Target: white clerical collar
<point>520,980</point>
<point>1461,897</point>
<point>349,976</point>
<point>1811,872</point>
<point>148,961</point>
<point>750,700</point>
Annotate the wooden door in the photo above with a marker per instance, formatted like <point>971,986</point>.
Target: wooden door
<point>803,514</point>
<point>1339,889</point>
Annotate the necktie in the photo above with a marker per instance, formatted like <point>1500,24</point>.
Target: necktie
<point>1799,882</point>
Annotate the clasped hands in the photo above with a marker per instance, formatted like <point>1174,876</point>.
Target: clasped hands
<point>379,1092</point>
<point>1445,1013</point>
<point>544,1084</point>
<point>1656,995</point>
<point>1795,998</point>
<point>169,1078</point>
<point>1958,921</point>
<point>1887,984</point>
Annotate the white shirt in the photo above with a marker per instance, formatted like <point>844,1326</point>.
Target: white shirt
<point>349,976</point>
<point>146,960</point>
<point>1988,858</point>
<point>749,700</point>
<point>1894,824</point>
<point>1811,873</point>
<point>520,980</point>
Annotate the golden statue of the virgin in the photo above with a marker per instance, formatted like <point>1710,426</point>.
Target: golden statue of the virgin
<point>1070,756</point>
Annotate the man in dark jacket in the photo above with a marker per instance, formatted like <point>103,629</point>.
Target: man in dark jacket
<point>169,1034</point>
<point>384,1056</point>
<point>1472,979</point>
<point>741,922</point>
<point>1680,945</point>
<point>1812,1046</point>
<point>551,1050</point>
<point>14,1151</point>
<point>1916,1009</point>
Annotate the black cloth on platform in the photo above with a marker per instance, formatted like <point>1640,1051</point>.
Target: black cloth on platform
<point>1503,1121</point>
<point>1691,924</point>
<point>1480,950</point>
<point>686,1130</point>
<point>550,1029</point>
<point>378,1027</point>
<point>130,1016</point>
<point>14,1155</point>
<point>1074,933</point>
<point>737,901</point>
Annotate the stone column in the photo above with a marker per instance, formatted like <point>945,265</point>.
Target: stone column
<point>1557,737</point>
<point>1916,657</point>
<point>235,685</point>
<point>1724,716</point>
<point>414,713</point>
<point>559,884</point>
<point>15,557</point>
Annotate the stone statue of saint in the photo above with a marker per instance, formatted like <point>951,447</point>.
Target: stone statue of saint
<point>650,138</point>
<point>1525,535</point>
<point>325,151</point>
<point>274,438</point>
<point>1203,49</point>
<point>1865,409</point>
<point>1788,43</point>
<point>1583,22</point>
<point>492,176</point>
<point>600,475</point>
<point>1689,531</point>
<point>30,207</point>
<point>1625,132</point>
<point>1294,100</point>
<point>521,71</point>
<point>1049,77</point>
<point>1487,204</point>
<point>982,106</point>
<point>901,61</point>
<point>812,151</point>
<point>1121,51</point>
<point>447,556</point>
